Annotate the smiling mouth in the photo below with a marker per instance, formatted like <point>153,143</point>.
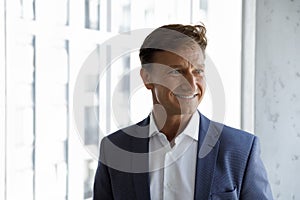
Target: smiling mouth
<point>185,96</point>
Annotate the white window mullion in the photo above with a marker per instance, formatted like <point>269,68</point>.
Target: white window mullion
<point>2,101</point>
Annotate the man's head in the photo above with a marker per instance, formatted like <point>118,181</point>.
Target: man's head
<point>170,37</point>
<point>172,58</point>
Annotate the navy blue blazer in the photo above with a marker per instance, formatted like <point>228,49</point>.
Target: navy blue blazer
<point>229,166</point>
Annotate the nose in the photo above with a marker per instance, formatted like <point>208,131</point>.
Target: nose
<point>189,84</point>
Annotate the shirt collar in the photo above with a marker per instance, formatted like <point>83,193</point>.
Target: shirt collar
<point>153,130</point>
<point>191,130</point>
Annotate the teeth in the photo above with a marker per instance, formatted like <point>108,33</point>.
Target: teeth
<point>186,97</point>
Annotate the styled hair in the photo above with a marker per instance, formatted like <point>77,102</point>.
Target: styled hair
<point>170,38</point>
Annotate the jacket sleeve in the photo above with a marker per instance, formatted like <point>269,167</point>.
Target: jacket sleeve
<point>255,184</point>
<point>102,183</point>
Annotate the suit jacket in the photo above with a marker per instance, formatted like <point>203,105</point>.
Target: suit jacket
<point>228,165</point>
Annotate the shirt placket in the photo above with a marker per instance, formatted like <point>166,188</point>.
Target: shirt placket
<point>169,178</point>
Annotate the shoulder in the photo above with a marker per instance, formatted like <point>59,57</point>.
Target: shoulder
<point>125,136</point>
<point>237,145</point>
<point>234,146</point>
<point>229,138</point>
<point>236,136</point>
<point>138,130</point>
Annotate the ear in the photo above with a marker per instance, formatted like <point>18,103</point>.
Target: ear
<point>146,76</point>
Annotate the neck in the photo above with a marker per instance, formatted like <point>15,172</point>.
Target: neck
<point>170,124</point>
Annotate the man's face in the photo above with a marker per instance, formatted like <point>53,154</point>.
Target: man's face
<point>177,80</point>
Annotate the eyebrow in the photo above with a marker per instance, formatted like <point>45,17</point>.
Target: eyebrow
<point>176,66</point>
<point>180,66</point>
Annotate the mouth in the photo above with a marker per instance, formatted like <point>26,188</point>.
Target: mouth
<point>186,96</point>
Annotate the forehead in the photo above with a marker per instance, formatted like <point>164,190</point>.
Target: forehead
<point>181,56</point>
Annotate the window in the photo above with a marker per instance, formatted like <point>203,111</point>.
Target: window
<point>45,154</point>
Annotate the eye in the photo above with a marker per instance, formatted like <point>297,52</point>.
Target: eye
<point>199,72</point>
<point>175,72</point>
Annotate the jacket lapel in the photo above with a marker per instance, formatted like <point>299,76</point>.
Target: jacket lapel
<point>140,160</point>
<point>208,147</point>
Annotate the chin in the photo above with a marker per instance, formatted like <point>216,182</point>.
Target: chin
<point>186,111</point>
<point>189,112</point>
<point>190,109</point>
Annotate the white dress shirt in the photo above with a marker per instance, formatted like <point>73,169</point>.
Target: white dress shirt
<point>173,169</point>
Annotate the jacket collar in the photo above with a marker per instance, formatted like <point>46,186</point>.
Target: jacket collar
<point>208,146</point>
<point>141,180</point>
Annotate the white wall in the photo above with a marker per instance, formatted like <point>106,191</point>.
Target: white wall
<point>277,93</point>
<point>224,48</point>
<point>2,101</point>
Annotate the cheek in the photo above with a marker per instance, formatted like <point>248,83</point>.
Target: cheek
<point>171,83</point>
<point>161,93</point>
<point>167,84</point>
<point>202,83</point>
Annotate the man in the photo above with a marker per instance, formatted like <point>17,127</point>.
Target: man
<point>176,152</point>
